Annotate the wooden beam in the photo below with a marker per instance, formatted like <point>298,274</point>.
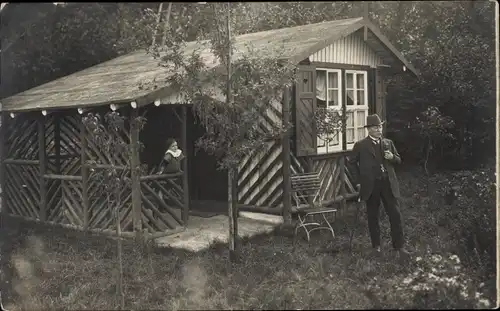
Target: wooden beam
<point>287,199</point>
<point>85,175</point>
<point>339,66</point>
<point>135,173</point>
<point>42,157</point>
<point>185,176</point>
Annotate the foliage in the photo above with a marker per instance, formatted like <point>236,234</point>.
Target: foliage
<point>46,43</point>
<point>107,133</point>
<point>471,217</point>
<point>435,282</point>
<point>328,123</point>
<point>435,128</point>
<point>452,44</point>
<point>234,128</point>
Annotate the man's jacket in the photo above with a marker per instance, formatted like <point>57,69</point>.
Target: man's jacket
<point>363,163</point>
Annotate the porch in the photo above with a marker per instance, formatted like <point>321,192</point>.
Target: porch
<point>50,162</point>
<point>204,231</point>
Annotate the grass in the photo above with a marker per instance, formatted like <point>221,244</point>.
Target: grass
<point>53,268</point>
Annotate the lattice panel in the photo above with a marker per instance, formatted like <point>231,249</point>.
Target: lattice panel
<point>96,153</point>
<point>54,201</point>
<point>71,211</point>
<point>22,190</point>
<point>70,145</point>
<point>50,143</point>
<point>260,177</point>
<point>22,138</point>
<point>101,212</point>
<point>329,171</point>
<point>162,202</point>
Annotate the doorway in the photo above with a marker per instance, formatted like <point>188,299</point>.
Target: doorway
<point>207,184</point>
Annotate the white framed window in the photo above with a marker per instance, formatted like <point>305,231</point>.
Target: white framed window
<point>356,101</point>
<point>329,95</point>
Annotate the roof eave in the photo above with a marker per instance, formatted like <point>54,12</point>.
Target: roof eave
<point>390,47</point>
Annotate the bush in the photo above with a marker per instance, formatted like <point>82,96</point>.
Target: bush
<point>435,282</point>
<point>470,215</point>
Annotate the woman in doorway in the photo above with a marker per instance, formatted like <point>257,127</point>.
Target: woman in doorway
<point>171,162</point>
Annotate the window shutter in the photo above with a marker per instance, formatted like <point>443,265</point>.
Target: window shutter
<point>305,109</point>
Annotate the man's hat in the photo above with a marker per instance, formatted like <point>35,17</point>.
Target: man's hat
<point>373,120</point>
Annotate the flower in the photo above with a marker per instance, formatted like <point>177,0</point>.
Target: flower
<point>418,259</point>
<point>455,258</point>
<point>484,302</point>
<point>436,258</point>
<point>407,280</point>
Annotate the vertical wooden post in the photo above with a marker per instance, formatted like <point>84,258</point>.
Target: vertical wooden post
<point>185,176</point>
<point>85,174</point>
<point>3,156</point>
<point>134,172</point>
<point>232,201</point>
<point>344,112</point>
<point>234,195</point>
<point>287,187</point>
<point>342,164</point>
<point>42,157</point>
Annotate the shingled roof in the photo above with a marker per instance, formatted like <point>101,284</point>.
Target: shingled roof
<point>117,80</point>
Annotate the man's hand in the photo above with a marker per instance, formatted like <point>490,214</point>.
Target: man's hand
<point>388,155</point>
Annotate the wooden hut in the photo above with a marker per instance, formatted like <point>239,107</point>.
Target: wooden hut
<point>45,148</point>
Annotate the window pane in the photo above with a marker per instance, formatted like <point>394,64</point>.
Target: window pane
<point>333,80</point>
<point>321,84</point>
<point>333,98</point>
<point>361,133</point>
<point>360,98</point>
<point>320,142</point>
<point>350,119</point>
<point>349,80</point>
<point>334,139</point>
<point>350,98</point>
<point>360,81</point>
<point>361,118</point>
<point>350,136</point>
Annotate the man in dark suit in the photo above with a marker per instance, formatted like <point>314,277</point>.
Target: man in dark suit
<point>372,159</point>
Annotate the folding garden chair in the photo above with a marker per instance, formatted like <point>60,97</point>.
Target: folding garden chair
<point>305,188</point>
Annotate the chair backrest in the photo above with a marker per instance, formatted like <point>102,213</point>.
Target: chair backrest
<point>305,186</point>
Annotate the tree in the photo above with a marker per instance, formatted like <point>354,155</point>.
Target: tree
<point>249,85</point>
<point>107,132</point>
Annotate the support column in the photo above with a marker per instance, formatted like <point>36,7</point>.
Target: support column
<point>42,157</point>
<point>135,172</point>
<point>185,176</point>
<point>85,174</point>
<point>286,152</point>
